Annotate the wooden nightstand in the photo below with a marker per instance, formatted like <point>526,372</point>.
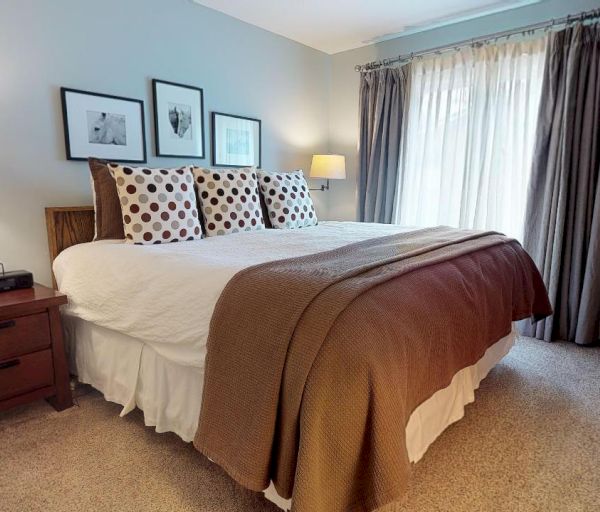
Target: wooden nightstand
<point>33,364</point>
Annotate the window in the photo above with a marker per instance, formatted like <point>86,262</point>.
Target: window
<point>469,137</point>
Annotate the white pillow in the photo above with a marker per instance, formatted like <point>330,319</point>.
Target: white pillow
<point>158,205</point>
<point>287,199</point>
<point>229,200</point>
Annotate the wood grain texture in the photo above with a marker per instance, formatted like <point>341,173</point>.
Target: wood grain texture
<point>24,334</point>
<point>29,300</point>
<point>33,363</point>
<point>62,399</point>
<point>26,373</point>
<point>67,226</point>
<point>25,398</point>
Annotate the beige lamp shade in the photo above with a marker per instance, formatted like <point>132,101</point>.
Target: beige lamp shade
<point>331,167</point>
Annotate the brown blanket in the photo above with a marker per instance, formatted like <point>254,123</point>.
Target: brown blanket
<point>315,363</point>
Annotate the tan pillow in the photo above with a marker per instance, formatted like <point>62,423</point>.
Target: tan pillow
<point>109,220</point>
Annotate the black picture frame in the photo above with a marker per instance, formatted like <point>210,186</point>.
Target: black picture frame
<point>214,161</point>
<point>64,91</point>
<point>155,83</point>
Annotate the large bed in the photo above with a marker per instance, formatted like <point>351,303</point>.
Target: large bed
<point>139,321</point>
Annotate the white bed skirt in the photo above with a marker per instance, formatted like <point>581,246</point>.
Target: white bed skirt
<point>131,373</point>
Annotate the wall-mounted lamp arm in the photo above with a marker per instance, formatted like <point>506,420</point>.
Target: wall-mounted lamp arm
<point>322,188</point>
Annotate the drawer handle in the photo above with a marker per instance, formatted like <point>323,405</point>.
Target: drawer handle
<point>9,364</point>
<point>7,324</point>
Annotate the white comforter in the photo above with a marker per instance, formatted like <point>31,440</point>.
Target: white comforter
<point>165,294</point>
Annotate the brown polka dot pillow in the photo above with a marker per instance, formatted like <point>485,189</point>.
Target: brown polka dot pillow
<point>288,200</point>
<point>229,200</point>
<point>158,205</point>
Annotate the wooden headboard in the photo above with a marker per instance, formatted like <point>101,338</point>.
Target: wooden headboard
<point>67,226</point>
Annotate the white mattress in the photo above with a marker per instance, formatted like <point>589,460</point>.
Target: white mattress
<point>132,373</point>
<point>165,294</point>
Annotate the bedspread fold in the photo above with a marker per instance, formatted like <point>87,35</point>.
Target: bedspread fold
<point>315,363</point>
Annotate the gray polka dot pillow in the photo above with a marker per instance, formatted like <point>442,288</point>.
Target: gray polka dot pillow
<point>158,205</point>
<point>229,200</point>
<point>288,200</point>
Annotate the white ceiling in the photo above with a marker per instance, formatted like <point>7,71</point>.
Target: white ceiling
<point>336,25</point>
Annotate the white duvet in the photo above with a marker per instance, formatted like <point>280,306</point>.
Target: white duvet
<point>165,294</point>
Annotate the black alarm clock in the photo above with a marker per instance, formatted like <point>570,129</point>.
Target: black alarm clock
<point>15,280</point>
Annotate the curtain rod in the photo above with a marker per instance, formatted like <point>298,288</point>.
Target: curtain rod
<point>407,57</point>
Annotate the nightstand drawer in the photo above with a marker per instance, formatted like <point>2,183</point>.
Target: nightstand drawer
<point>26,373</point>
<point>23,335</point>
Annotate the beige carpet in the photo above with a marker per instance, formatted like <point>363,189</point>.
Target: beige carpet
<point>531,442</point>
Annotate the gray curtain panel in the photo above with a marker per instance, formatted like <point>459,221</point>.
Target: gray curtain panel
<point>381,107</point>
<point>562,231</point>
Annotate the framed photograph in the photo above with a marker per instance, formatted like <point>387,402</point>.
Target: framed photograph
<point>178,119</point>
<point>103,126</point>
<point>235,141</point>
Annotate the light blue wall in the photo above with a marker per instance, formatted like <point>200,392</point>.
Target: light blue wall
<point>308,101</point>
<point>343,118</point>
<point>117,47</point>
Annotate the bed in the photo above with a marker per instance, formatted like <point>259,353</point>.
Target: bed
<point>139,322</point>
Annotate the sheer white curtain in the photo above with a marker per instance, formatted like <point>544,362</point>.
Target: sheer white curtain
<point>469,136</point>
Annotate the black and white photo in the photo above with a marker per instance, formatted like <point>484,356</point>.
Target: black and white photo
<point>103,126</point>
<point>106,128</point>
<point>178,119</point>
<point>235,141</point>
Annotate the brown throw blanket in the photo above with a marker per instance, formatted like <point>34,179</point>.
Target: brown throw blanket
<point>316,363</point>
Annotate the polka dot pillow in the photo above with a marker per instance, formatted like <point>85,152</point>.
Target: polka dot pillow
<point>229,200</point>
<point>158,205</point>
<point>288,200</point>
